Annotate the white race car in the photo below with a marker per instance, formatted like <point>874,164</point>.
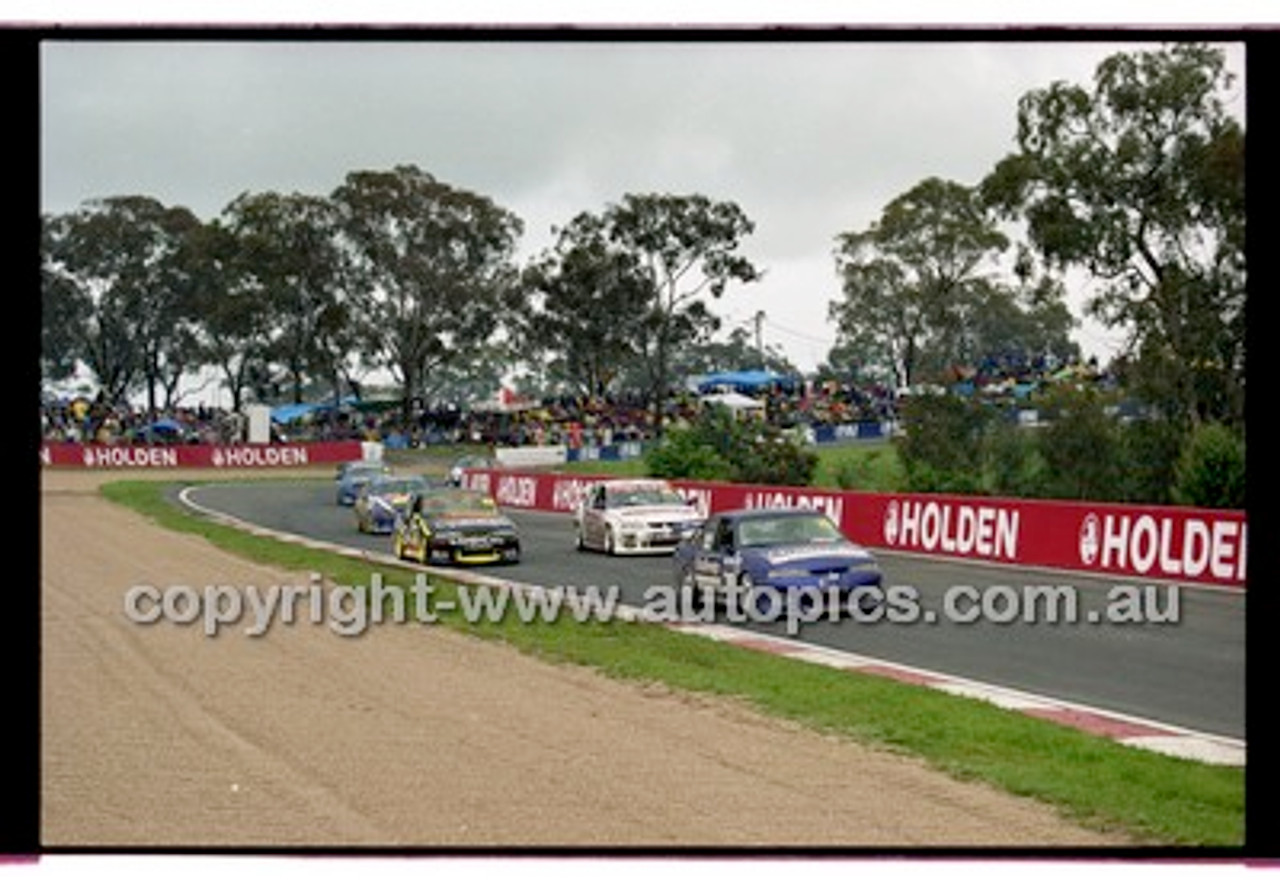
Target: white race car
<point>633,517</point>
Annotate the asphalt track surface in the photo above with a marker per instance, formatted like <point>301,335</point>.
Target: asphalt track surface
<point>1189,673</point>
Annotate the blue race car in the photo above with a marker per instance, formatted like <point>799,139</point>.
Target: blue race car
<point>384,500</point>
<point>799,554</point>
<point>355,475</point>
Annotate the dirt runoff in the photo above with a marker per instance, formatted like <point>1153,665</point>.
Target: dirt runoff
<point>419,737</point>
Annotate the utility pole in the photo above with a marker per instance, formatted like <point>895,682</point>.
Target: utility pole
<point>759,320</point>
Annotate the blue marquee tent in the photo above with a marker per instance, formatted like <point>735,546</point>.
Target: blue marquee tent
<point>288,413</point>
<point>745,381</point>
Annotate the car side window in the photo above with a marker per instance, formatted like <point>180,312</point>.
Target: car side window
<point>599,500</point>
<point>724,535</point>
<point>707,538</point>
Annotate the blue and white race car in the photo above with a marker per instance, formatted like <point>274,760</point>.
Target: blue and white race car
<point>355,475</point>
<point>384,500</point>
<point>767,558</point>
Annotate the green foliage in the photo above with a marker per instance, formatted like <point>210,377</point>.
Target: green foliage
<point>1080,446</point>
<point>942,448</point>
<point>685,246</point>
<point>684,454</point>
<point>721,446</point>
<point>1014,465</point>
<point>918,296</point>
<point>1211,470</point>
<point>1117,180</point>
<point>434,268</point>
<point>590,298</point>
<point>122,271</point>
<point>1149,453</point>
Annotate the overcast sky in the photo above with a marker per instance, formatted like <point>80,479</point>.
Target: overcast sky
<point>810,138</point>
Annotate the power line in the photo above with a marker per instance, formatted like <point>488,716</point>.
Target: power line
<point>823,340</point>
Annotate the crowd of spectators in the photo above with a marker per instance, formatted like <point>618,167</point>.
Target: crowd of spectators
<point>564,420</point>
<point>95,421</point>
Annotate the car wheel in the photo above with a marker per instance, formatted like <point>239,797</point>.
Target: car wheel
<point>609,542</point>
<point>578,541</point>
<point>688,586</point>
<point>397,546</point>
<point>757,600</point>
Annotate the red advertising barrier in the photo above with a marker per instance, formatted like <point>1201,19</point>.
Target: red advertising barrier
<point>1174,543</point>
<point>199,456</point>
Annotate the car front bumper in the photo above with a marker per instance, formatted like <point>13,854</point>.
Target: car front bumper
<point>648,541</point>
<point>479,550</point>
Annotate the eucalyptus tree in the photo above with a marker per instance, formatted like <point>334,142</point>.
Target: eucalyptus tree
<point>585,299</point>
<point>913,282</point>
<point>121,265</point>
<point>737,352</point>
<point>65,306</point>
<point>430,269</point>
<point>683,247</point>
<point>234,331</point>
<point>288,258</point>
<point>1139,179</point>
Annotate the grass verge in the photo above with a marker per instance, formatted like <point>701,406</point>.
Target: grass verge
<point>862,466</point>
<point>1155,799</point>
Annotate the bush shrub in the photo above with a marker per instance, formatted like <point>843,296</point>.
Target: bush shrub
<point>1211,470</point>
<point>1080,447</point>
<point>942,447</point>
<point>1149,452</point>
<point>683,455</point>
<point>721,446</point>
<point>1014,465</point>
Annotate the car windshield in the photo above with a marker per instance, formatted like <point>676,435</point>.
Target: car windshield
<point>397,486</point>
<point>786,531</point>
<point>644,496</point>
<point>460,501</point>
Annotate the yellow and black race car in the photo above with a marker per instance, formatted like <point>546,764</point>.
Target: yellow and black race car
<point>454,526</point>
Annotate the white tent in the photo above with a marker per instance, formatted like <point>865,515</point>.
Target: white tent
<point>734,402</point>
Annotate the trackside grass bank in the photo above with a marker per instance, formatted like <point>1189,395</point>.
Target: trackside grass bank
<point>864,466</point>
<point>1157,800</point>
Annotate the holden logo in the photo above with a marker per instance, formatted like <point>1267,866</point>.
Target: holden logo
<point>891,523</point>
<point>88,457</point>
<point>217,457</point>
<point>1089,533</point>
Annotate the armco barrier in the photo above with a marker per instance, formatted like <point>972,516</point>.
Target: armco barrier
<point>198,456</point>
<point>1178,544</point>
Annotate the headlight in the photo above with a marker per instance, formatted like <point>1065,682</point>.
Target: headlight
<point>864,565</point>
<point>788,573</point>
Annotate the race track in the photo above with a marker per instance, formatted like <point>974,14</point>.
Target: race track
<point>1188,674</point>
